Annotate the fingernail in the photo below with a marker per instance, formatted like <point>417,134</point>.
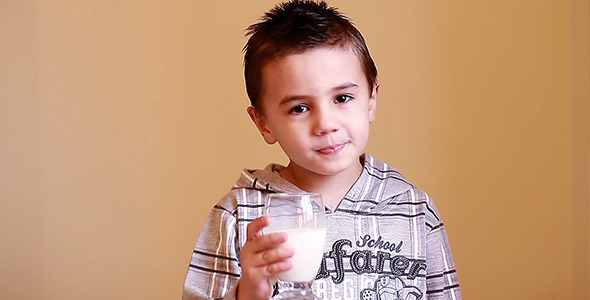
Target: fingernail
<point>281,236</point>
<point>290,251</point>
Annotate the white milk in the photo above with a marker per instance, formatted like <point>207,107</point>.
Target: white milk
<point>309,249</point>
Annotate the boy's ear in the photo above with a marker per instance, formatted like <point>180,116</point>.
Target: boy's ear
<point>261,125</point>
<point>373,101</point>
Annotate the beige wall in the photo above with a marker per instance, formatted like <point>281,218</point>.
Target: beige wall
<point>123,122</point>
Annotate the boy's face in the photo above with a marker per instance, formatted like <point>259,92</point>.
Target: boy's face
<point>318,105</point>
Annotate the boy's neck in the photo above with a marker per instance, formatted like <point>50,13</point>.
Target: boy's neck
<point>333,188</point>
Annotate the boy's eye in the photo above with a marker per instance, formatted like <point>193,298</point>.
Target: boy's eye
<point>343,98</point>
<point>298,109</point>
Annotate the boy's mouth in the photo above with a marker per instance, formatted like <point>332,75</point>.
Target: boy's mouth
<point>331,149</point>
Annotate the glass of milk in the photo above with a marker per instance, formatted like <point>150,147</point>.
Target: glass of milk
<point>303,218</point>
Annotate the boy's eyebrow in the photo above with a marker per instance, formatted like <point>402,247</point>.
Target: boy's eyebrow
<point>344,86</point>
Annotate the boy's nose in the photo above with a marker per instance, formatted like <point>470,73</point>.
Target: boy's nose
<point>325,122</point>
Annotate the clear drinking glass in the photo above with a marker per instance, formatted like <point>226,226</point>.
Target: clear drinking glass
<point>303,218</point>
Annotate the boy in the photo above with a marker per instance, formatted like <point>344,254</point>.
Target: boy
<point>313,89</point>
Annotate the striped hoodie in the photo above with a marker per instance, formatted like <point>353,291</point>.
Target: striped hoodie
<point>386,240</point>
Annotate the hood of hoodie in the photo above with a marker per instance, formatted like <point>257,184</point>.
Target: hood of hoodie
<point>392,181</point>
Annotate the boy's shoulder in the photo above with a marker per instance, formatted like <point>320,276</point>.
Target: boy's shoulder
<point>380,175</point>
<point>396,190</point>
<point>253,184</point>
<point>266,180</point>
<point>381,169</point>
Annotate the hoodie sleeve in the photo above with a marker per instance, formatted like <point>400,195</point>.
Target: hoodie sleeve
<point>214,269</point>
<point>441,277</point>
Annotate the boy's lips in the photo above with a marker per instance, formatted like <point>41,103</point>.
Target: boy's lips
<point>331,149</point>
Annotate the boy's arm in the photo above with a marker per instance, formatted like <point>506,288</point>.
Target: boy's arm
<point>214,269</point>
<point>441,278</point>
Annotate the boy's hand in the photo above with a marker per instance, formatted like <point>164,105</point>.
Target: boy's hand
<point>261,260</point>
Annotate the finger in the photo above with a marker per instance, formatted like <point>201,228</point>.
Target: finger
<point>276,255</point>
<point>272,240</point>
<point>264,243</point>
<point>255,227</point>
<point>265,259</point>
<point>267,270</point>
<point>278,267</point>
